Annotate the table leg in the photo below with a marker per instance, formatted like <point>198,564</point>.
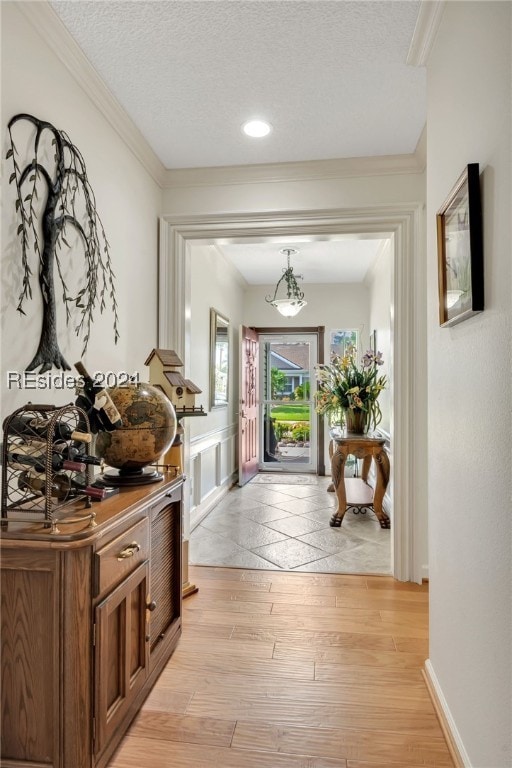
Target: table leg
<point>367,462</point>
<point>330,487</point>
<point>338,461</point>
<point>382,467</point>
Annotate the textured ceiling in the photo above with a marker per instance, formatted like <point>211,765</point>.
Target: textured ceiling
<point>329,75</point>
<point>342,259</point>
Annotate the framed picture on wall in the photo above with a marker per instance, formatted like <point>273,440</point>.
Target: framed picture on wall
<point>340,340</point>
<point>460,250</point>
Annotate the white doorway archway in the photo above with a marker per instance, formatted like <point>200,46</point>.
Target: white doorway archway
<point>402,224</point>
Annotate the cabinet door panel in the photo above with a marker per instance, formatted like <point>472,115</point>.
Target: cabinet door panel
<point>121,658</point>
<point>165,573</point>
<point>29,665</point>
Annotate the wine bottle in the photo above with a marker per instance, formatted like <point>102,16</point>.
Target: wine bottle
<point>75,454</point>
<point>84,404</point>
<point>34,427</point>
<point>61,486</point>
<point>21,456</point>
<point>94,493</point>
<point>103,406</point>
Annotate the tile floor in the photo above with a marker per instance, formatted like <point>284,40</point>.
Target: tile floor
<point>281,522</point>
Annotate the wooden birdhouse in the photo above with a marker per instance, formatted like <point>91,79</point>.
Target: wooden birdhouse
<point>163,372</point>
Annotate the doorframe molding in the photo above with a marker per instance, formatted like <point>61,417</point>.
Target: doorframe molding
<point>402,223</point>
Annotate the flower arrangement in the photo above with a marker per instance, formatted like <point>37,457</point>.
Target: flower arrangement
<point>343,386</point>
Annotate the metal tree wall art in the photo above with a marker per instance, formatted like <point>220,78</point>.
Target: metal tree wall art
<point>53,198</point>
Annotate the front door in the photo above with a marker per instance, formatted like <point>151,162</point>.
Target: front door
<point>288,427</point>
<point>248,442</point>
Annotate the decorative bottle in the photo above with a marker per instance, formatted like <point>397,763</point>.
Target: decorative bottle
<point>101,406</point>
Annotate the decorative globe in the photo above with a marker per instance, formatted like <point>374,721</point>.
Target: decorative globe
<point>148,430</point>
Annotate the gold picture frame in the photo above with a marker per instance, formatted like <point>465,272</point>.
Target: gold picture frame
<point>219,359</point>
<point>460,250</point>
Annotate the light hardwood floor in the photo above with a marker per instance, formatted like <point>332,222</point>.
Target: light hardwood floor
<point>292,670</point>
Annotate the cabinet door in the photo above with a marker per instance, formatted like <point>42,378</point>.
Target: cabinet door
<point>121,654</point>
<point>29,657</point>
<point>165,577</point>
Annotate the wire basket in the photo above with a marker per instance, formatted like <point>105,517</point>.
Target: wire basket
<point>38,482</point>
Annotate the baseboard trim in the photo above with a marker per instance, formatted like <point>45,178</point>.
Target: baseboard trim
<point>451,734</point>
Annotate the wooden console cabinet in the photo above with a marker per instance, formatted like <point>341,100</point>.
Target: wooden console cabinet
<point>89,617</point>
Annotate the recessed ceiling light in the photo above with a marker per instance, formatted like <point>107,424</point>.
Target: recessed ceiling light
<point>257,129</point>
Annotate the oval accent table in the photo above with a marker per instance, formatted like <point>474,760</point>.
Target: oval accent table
<point>366,447</point>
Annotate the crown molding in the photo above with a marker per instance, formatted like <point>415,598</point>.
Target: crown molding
<point>50,27</point>
<point>427,24</point>
<point>310,170</point>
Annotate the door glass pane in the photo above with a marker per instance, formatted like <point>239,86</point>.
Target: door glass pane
<point>287,404</point>
<point>289,365</point>
<point>287,433</point>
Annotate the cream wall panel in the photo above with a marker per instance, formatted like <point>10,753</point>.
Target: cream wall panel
<point>227,459</point>
<point>209,461</point>
<point>469,379</point>
<point>213,468</point>
<point>380,295</point>
<point>213,284</point>
<point>334,306</point>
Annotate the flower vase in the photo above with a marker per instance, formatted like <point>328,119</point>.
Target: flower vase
<point>355,421</point>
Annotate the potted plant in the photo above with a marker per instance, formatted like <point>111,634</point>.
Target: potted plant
<point>350,391</point>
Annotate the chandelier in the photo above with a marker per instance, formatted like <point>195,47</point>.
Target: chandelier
<point>292,304</point>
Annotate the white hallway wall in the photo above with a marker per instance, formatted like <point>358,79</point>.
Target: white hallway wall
<point>214,284</point>
<point>380,284</point>
<point>470,431</point>
<point>333,306</point>
<point>213,438</point>
<point>128,201</point>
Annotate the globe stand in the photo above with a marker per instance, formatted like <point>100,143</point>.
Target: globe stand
<point>129,477</point>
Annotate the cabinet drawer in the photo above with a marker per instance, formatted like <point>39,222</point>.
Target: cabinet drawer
<point>121,556</point>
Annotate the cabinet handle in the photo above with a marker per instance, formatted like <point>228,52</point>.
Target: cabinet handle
<point>129,551</point>
<point>151,606</point>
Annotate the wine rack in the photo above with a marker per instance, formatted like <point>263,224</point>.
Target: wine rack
<point>33,487</point>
